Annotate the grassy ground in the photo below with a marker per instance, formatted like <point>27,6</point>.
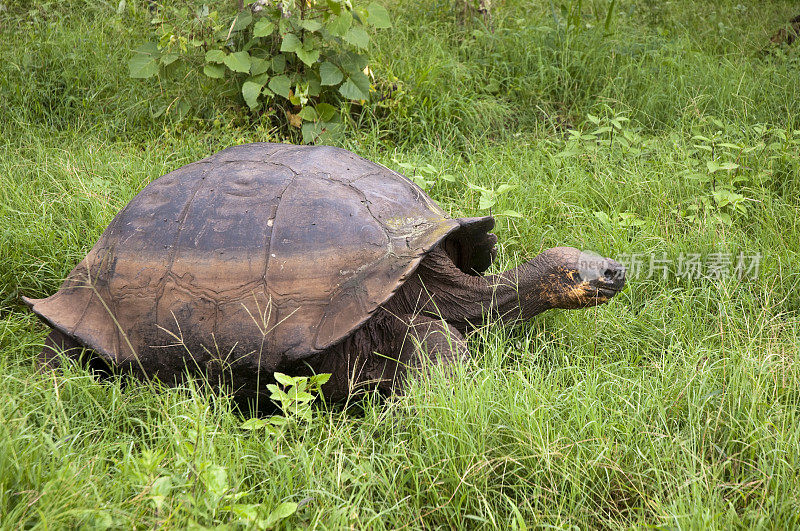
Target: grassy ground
<point>674,406</point>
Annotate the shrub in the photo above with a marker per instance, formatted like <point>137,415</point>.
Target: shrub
<point>302,60</point>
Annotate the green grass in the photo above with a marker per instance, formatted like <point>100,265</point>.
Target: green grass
<point>677,405</point>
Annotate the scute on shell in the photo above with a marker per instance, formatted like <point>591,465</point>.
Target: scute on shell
<point>256,255</point>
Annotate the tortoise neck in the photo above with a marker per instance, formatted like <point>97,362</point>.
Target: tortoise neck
<point>441,290</point>
<point>514,295</point>
<point>521,293</point>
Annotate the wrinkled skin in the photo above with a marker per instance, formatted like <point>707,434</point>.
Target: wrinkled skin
<point>425,321</point>
<point>423,325</point>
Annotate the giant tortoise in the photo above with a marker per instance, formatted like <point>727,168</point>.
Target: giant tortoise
<point>272,257</point>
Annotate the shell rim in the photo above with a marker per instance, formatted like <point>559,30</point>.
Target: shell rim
<point>459,224</point>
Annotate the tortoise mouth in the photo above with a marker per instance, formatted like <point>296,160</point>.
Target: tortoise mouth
<point>606,293</point>
<point>610,282</point>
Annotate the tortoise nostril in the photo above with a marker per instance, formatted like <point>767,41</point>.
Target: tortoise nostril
<point>615,274</point>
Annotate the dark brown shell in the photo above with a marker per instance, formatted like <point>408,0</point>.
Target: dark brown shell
<point>259,254</point>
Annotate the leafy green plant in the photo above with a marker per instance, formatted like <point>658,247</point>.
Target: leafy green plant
<point>304,57</point>
<point>424,175</point>
<point>609,132</point>
<point>204,488</point>
<point>723,172</point>
<point>254,515</point>
<point>294,396</point>
<point>490,196</point>
<point>191,480</point>
<point>718,207</point>
<point>625,220</point>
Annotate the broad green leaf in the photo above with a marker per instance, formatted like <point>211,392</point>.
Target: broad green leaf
<point>325,112</point>
<point>215,56</point>
<point>321,378</point>
<point>310,131</point>
<point>168,58</point>
<point>630,219</point>
<point>353,63</point>
<point>428,168</point>
<point>352,91</point>
<point>277,394</point>
<point>330,73</point>
<point>253,424</point>
<point>300,383</point>
<point>243,19</point>
<point>335,6</point>
<point>326,132</point>
<point>238,62</point>
<point>263,28</point>
<point>378,16</point>
<point>216,479</point>
<point>251,90</point>
<point>503,188</point>
<point>302,397</point>
<point>281,512</point>
<point>603,217</point>
<point>361,81</point>
<point>282,378</point>
<point>144,62</point>
<point>248,512</point>
<point>310,25</point>
<point>312,80</point>
<point>357,37</point>
<point>478,188</point>
<point>338,25</point>
<point>290,43</point>
<point>258,66</point>
<point>486,201</point>
<point>724,218</point>
<point>308,114</point>
<point>510,213</point>
<point>162,486</point>
<point>309,57</point>
<point>278,64</point>
<point>278,421</point>
<point>155,113</point>
<point>448,177</point>
<point>149,48</point>
<point>214,71</point>
<point>421,181</point>
<point>142,67</point>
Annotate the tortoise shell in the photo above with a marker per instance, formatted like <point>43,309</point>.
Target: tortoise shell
<point>258,255</point>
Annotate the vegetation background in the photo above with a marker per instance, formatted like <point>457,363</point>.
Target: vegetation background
<point>670,130</point>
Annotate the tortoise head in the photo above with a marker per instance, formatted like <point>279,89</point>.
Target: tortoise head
<point>571,279</point>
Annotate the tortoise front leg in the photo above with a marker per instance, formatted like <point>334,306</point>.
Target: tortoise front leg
<point>426,343</point>
<point>382,353</point>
